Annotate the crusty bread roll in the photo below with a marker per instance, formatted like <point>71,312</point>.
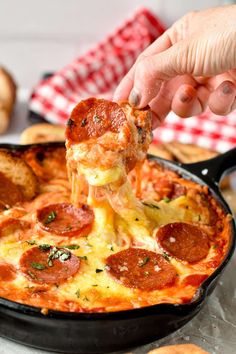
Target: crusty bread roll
<point>7,98</point>
<point>43,132</point>
<point>179,349</point>
<point>19,173</point>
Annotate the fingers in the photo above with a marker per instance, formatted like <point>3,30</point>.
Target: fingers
<point>161,104</point>
<point>189,101</point>
<point>222,100</point>
<point>124,88</point>
<point>152,71</point>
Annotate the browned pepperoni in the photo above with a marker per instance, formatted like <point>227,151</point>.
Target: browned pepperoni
<point>10,225</point>
<point>66,220</point>
<point>170,189</point>
<point>49,266</point>
<point>7,272</point>
<point>184,241</point>
<point>142,269</point>
<point>178,190</point>
<point>92,118</point>
<point>47,163</point>
<point>10,193</point>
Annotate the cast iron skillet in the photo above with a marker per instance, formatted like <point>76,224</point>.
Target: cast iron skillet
<point>106,332</point>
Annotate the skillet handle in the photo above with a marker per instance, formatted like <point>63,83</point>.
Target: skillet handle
<point>213,169</point>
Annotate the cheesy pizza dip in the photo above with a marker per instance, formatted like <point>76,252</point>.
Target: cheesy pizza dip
<point>97,227</point>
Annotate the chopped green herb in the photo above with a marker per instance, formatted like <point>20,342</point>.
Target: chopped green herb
<point>52,216</point>
<point>77,293</point>
<point>38,266</point>
<point>31,242</point>
<point>99,270</point>
<point>153,206</point>
<point>57,253</point>
<point>96,119</point>
<point>136,219</point>
<point>85,258</point>
<point>108,287</point>
<point>166,200</point>
<point>31,274</point>
<point>199,217</point>
<point>45,247</point>
<point>140,130</point>
<point>71,247</point>
<point>84,122</point>
<point>215,246</point>
<point>70,122</point>
<point>144,261</point>
<point>94,285</point>
<point>63,257</point>
<point>112,249</point>
<point>68,228</point>
<point>85,298</point>
<point>29,286</point>
<point>166,256</point>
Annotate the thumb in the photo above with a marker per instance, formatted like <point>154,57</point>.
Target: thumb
<point>151,71</point>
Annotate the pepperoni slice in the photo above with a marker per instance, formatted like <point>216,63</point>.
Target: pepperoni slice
<point>170,189</point>
<point>7,272</point>
<point>46,162</point>
<point>51,265</point>
<point>184,241</point>
<point>66,220</point>
<point>178,190</point>
<point>142,269</point>
<point>11,225</point>
<point>92,118</point>
<point>10,193</point>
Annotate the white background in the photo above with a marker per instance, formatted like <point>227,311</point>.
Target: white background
<point>36,36</point>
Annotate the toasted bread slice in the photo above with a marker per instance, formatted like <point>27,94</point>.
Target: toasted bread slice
<point>43,132</point>
<point>179,349</point>
<point>19,173</point>
<point>188,153</point>
<point>160,151</point>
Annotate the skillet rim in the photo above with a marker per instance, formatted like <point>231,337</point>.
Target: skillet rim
<point>201,293</point>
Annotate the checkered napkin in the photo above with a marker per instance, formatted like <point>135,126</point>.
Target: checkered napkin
<point>98,72</point>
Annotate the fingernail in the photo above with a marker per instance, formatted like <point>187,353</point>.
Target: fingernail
<point>227,89</point>
<point>185,98</point>
<point>134,98</point>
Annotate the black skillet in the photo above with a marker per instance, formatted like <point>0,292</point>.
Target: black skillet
<point>107,332</point>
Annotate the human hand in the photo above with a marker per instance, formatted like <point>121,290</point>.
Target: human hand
<point>190,66</point>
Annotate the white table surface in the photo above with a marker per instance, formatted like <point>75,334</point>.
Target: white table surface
<point>214,328</point>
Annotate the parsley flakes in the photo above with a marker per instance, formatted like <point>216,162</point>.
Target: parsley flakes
<point>144,261</point>
<point>99,270</point>
<point>51,217</point>
<point>38,266</point>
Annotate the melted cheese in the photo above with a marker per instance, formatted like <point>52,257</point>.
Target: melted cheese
<point>88,290</point>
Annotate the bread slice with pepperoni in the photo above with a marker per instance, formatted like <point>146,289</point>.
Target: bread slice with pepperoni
<point>19,173</point>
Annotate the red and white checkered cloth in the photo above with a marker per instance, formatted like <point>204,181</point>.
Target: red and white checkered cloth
<point>98,72</point>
